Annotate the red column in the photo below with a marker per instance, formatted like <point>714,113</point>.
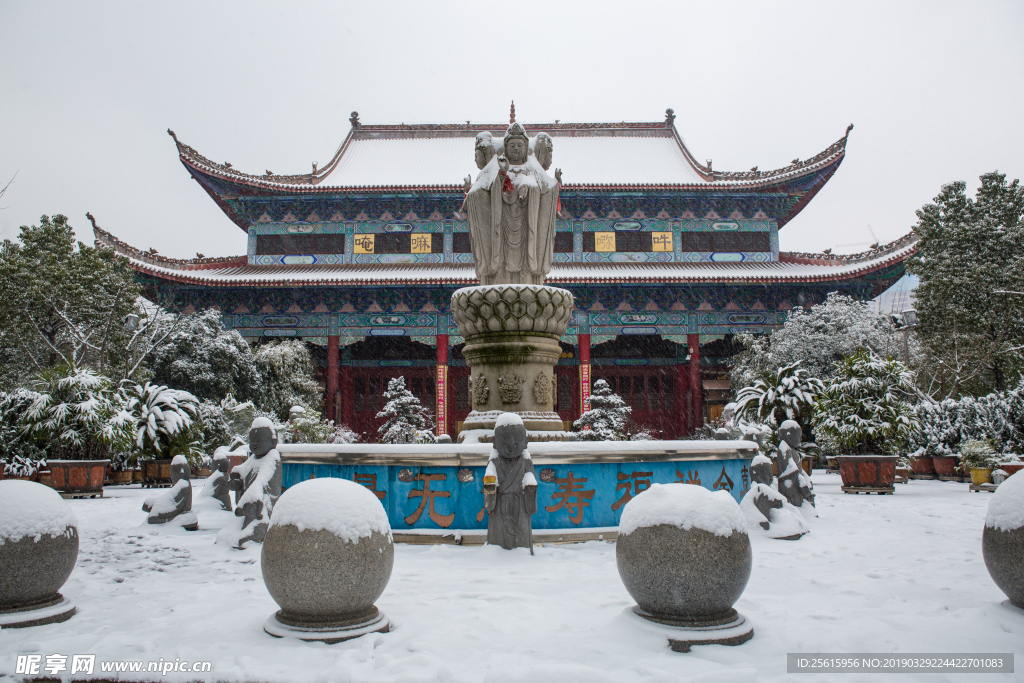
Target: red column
<point>441,390</point>
<point>682,409</point>
<point>696,409</point>
<point>584,346</point>
<point>332,376</point>
<point>347,397</point>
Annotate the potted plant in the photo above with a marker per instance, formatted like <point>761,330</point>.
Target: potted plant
<point>863,415</point>
<point>77,417</point>
<point>163,420</point>
<point>979,458</point>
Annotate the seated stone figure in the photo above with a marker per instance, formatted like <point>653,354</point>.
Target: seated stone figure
<point>257,483</point>
<point>218,481</point>
<point>176,502</point>
<point>766,507</point>
<point>510,488</point>
<point>794,484</point>
<point>764,497</point>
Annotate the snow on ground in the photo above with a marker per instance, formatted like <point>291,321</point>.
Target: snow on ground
<point>901,573</point>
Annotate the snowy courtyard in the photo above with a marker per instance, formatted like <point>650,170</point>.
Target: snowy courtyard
<point>893,574</point>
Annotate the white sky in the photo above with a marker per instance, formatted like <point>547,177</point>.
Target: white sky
<point>87,91</point>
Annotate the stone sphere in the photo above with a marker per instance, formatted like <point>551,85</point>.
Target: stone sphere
<point>683,554</point>
<point>328,553</point>
<point>1002,543</point>
<point>38,544</point>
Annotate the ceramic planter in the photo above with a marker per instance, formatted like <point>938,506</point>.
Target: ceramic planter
<point>981,475</point>
<point>156,473</point>
<point>78,477</point>
<point>923,468</point>
<point>946,466</point>
<point>868,473</point>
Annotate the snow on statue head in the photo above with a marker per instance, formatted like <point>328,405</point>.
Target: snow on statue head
<point>790,432</point>
<point>484,149</point>
<point>262,437</point>
<point>510,439</point>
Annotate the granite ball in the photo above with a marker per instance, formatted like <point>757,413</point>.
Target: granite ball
<point>38,545</point>
<point>684,555</point>
<point>328,554</point>
<point>1002,542</point>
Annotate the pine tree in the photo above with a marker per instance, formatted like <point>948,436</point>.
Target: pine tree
<point>407,421</point>
<point>608,417</point>
<point>61,302</point>
<point>970,250</point>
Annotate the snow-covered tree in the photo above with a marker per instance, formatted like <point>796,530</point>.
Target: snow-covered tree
<point>162,417</point>
<point>406,420</point>
<point>997,418</point>
<point>608,418</point>
<point>289,377</point>
<point>61,302</point>
<point>968,251</point>
<point>209,362</point>
<point>788,393</point>
<point>864,409</point>
<point>77,415</point>
<point>819,338</point>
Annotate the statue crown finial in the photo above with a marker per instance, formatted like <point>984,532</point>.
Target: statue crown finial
<point>512,113</point>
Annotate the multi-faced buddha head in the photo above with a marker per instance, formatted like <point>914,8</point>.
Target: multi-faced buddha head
<point>484,149</point>
<point>517,145</point>
<point>542,150</point>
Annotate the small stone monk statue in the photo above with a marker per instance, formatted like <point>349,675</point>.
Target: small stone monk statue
<point>762,494</point>
<point>176,502</point>
<point>257,482</point>
<point>793,483</point>
<point>218,481</point>
<point>510,488</point>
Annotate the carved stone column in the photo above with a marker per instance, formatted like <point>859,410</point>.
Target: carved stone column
<point>512,334</point>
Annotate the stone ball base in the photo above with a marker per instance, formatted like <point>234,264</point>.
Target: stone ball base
<point>732,630</point>
<point>1004,558</point>
<point>282,625</point>
<point>51,611</point>
<point>685,576</point>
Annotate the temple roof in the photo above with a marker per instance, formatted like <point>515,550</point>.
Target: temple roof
<point>791,268</point>
<point>439,156</point>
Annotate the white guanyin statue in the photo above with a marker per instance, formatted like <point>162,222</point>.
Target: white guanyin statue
<point>511,207</point>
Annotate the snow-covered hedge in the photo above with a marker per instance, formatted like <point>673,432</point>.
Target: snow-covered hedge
<point>997,417</point>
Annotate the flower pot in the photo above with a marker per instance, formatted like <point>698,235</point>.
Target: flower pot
<point>868,473</point>
<point>832,463</point>
<point>946,465</point>
<point>156,473</point>
<point>136,476</point>
<point>923,468</point>
<point>80,477</point>
<point>122,478</point>
<point>807,465</point>
<point>981,475</point>
<point>45,479</point>
<point>902,475</point>
<point>1010,468</point>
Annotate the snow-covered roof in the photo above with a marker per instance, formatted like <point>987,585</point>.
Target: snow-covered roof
<point>439,156</point>
<point>584,160</point>
<point>237,272</point>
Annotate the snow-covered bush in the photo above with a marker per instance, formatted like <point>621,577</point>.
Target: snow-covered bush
<point>209,362</point>
<point>77,415</point>
<point>163,419</point>
<point>818,338</point>
<point>864,409</point>
<point>997,418</point>
<point>787,393</point>
<point>18,453</point>
<point>608,419</point>
<point>310,427</point>
<point>406,421</point>
<point>288,377</point>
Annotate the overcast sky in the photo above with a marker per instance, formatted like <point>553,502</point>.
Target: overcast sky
<point>88,90</point>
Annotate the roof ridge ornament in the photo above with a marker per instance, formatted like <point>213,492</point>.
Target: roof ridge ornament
<point>354,120</point>
<point>512,114</point>
<point>670,117</point>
